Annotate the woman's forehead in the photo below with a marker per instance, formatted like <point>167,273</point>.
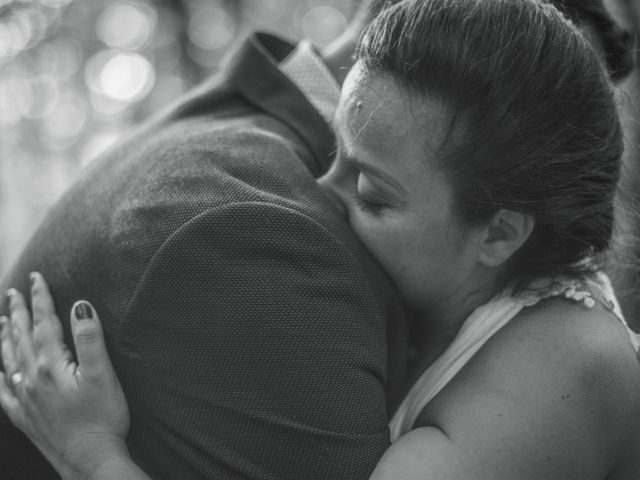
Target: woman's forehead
<point>367,93</point>
<point>370,107</point>
<point>374,110</point>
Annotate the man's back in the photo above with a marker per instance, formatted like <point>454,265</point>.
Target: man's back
<point>246,323</point>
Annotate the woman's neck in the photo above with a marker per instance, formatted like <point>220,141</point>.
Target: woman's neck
<point>436,327</point>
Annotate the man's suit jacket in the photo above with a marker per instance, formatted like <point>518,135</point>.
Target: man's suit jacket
<point>248,326</point>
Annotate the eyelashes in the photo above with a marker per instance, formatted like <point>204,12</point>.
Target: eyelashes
<point>366,206</point>
<point>366,201</point>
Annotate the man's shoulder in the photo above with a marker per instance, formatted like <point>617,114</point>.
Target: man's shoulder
<point>198,164</point>
<point>123,207</point>
<point>242,138</point>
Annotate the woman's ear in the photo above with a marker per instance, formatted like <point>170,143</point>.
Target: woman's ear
<point>503,236</point>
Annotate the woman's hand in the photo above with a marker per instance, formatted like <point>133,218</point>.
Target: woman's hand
<point>76,413</point>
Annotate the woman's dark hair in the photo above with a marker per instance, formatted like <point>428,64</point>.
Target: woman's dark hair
<point>615,42</point>
<point>534,127</point>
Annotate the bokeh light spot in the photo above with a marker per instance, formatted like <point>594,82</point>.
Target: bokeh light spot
<point>105,107</point>
<point>17,36</point>
<point>323,24</point>
<point>263,12</point>
<point>126,25</point>
<point>35,22</point>
<point>60,58</point>
<point>122,76</point>
<point>211,28</point>
<point>127,77</point>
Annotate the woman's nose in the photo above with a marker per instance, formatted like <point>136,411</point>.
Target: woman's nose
<point>333,194</point>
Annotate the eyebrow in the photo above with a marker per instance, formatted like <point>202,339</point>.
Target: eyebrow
<point>373,171</point>
<point>353,162</point>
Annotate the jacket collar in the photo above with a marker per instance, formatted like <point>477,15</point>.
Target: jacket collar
<point>253,72</point>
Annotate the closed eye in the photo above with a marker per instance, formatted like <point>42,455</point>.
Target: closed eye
<point>367,206</point>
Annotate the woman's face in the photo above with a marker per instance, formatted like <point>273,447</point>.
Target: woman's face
<point>398,203</point>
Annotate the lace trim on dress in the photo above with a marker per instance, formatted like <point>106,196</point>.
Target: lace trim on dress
<point>571,289</point>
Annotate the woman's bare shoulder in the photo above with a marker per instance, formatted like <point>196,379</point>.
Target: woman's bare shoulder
<point>590,344</point>
<point>559,342</point>
<point>560,377</point>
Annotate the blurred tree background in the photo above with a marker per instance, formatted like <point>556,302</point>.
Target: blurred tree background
<point>76,75</point>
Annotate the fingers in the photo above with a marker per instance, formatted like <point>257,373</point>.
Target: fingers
<point>30,350</point>
<point>12,377</point>
<point>9,402</point>
<point>48,333</point>
<point>44,310</point>
<point>93,359</point>
<point>6,344</point>
<point>21,333</point>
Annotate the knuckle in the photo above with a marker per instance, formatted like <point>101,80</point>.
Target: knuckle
<point>37,337</point>
<point>42,329</point>
<point>42,315</point>
<point>30,388</point>
<point>87,335</point>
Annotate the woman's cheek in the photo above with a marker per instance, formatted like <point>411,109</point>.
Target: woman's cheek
<point>380,242</point>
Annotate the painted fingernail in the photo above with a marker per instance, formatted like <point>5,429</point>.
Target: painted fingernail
<point>83,311</point>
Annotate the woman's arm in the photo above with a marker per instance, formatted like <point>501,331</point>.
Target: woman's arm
<point>75,413</point>
<point>552,395</point>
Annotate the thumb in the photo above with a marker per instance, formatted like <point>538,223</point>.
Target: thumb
<point>88,337</point>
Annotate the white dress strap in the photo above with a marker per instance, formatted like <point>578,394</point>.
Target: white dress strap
<point>603,285</point>
<point>478,328</point>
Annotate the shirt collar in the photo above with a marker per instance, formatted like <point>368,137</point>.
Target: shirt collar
<point>253,71</point>
<point>308,72</point>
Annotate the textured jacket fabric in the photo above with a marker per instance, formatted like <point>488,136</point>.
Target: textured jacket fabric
<point>248,326</point>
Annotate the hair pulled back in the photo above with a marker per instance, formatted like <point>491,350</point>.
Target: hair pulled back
<point>616,42</point>
<point>534,128</point>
